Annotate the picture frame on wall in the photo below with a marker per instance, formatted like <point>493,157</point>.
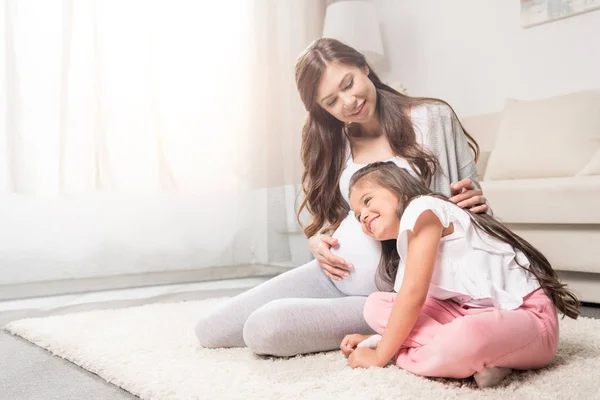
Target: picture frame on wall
<point>536,12</point>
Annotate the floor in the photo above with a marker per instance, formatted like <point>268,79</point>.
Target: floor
<point>28,372</point>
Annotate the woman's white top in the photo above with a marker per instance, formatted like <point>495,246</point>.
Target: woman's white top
<point>355,246</point>
<point>472,267</point>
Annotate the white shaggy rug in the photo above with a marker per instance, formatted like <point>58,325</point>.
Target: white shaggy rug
<point>151,351</point>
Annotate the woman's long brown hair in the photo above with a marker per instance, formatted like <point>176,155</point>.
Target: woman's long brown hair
<point>407,188</point>
<point>324,138</point>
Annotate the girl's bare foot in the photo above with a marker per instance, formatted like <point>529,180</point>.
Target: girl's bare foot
<point>371,342</point>
<point>490,377</point>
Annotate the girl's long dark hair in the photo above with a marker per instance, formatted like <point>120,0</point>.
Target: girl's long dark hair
<point>324,137</point>
<point>407,188</point>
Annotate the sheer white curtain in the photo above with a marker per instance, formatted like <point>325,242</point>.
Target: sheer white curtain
<point>110,107</point>
<point>123,96</point>
<point>281,30</point>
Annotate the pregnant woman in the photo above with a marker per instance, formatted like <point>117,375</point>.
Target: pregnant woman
<point>353,119</point>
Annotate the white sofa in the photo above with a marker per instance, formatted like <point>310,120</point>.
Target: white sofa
<point>540,171</point>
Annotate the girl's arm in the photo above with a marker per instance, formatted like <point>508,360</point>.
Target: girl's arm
<point>423,244</point>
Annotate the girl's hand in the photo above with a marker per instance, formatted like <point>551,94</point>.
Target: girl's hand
<point>349,343</point>
<point>364,358</point>
<point>466,196</point>
<point>333,266</point>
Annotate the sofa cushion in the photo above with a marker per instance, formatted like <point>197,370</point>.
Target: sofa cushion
<point>554,137</point>
<point>585,285</point>
<point>592,167</point>
<point>484,157</point>
<point>483,128</point>
<point>561,244</point>
<point>572,200</point>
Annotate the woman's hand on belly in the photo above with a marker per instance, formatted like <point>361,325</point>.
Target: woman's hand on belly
<point>334,267</point>
<point>362,251</point>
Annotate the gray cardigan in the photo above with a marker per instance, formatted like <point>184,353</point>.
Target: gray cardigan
<point>449,144</point>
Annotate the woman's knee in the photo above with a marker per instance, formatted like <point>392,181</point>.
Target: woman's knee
<point>216,330</point>
<point>266,331</point>
<point>206,335</point>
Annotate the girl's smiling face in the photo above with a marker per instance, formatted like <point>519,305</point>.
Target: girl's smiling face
<point>376,208</point>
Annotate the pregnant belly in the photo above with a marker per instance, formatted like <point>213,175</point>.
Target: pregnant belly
<point>361,251</point>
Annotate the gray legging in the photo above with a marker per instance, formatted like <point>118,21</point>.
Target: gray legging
<point>300,311</point>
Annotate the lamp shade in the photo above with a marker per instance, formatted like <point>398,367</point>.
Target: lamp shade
<point>355,23</point>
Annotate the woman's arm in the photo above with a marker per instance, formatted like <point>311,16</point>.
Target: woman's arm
<point>423,244</point>
<point>466,193</point>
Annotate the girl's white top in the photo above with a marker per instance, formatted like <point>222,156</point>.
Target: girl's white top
<point>355,246</point>
<point>472,267</point>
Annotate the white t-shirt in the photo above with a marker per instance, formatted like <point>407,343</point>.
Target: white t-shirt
<point>354,245</point>
<point>472,267</point>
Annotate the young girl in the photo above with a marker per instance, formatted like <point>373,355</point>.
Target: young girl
<point>473,298</point>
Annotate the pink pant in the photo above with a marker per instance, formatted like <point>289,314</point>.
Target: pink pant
<point>456,341</point>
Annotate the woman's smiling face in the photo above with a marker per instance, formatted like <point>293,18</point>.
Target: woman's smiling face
<point>347,93</point>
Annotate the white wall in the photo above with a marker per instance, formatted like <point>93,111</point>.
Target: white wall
<point>474,53</point>
<point>106,235</point>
